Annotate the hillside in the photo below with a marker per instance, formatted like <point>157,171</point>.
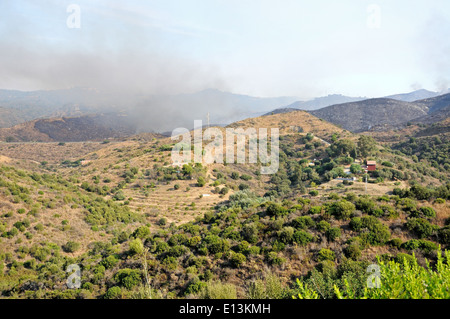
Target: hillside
<point>180,110</point>
<point>386,114</point>
<point>363,115</point>
<point>70,129</point>
<point>294,122</point>
<point>413,96</point>
<point>324,101</point>
<point>122,211</point>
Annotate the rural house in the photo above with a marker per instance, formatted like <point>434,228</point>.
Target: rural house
<point>371,165</point>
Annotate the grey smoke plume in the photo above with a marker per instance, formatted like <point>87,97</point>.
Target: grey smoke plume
<point>434,47</point>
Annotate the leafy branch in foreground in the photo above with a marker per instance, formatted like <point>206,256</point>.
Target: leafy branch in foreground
<point>399,280</point>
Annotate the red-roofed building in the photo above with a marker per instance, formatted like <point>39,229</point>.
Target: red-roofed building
<point>371,166</point>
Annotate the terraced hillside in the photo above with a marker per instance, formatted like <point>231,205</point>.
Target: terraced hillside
<point>124,212</point>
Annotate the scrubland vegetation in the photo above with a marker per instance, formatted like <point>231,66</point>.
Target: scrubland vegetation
<point>287,235</point>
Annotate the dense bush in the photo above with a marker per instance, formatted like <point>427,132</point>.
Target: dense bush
<point>238,259</point>
<point>114,293</point>
<point>421,227</point>
<point>274,209</point>
<point>128,278</point>
<point>136,247</point>
<point>333,233</point>
<point>323,226</point>
<point>326,254</point>
<point>428,211</point>
<point>302,238</point>
<point>71,247</point>
<point>342,209</point>
<point>353,251</point>
<point>303,222</point>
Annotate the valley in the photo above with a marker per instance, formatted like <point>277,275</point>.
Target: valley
<point>116,206</point>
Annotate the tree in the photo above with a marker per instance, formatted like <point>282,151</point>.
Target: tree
<point>366,146</point>
<point>114,293</point>
<point>136,247</point>
<point>128,278</point>
<point>342,209</point>
<point>71,247</point>
<point>201,181</point>
<point>333,233</point>
<point>345,146</point>
<point>187,170</point>
<point>355,168</point>
<point>238,259</point>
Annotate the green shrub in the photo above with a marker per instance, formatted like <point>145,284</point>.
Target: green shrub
<point>142,232</point>
<point>136,247</point>
<point>114,293</point>
<point>326,254</point>
<point>302,222</point>
<point>428,247</point>
<point>323,226</point>
<point>421,227</point>
<point>315,210</point>
<point>401,257</point>
<point>286,235</point>
<point>278,246</point>
<point>109,262</point>
<point>128,278</point>
<point>411,244</point>
<point>218,290</point>
<point>356,224</point>
<point>364,204</point>
<point>243,247</point>
<point>313,193</point>
<point>353,251</point>
<point>302,238</point>
<point>246,177</point>
<point>274,259</point>
<point>274,209</point>
<point>194,287</point>
<point>377,212</point>
<point>333,233</point>
<point>30,264</point>
<point>238,259</point>
<point>71,247</point>
<point>378,235</point>
<point>119,195</point>
<point>162,221</point>
<point>444,235</point>
<point>428,211</point>
<point>342,209</point>
<point>201,181</point>
<point>396,242</point>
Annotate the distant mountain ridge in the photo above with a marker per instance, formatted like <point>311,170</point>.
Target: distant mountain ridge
<point>172,111</point>
<point>384,113</point>
<point>323,101</point>
<point>413,96</point>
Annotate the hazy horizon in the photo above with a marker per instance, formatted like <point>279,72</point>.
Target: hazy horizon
<point>256,48</point>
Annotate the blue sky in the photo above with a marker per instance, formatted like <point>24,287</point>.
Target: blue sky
<point>261,48</point>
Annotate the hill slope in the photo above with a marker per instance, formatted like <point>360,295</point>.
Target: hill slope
<point>363,115</point>
<point>70,129</point>
<point>413,96</point>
